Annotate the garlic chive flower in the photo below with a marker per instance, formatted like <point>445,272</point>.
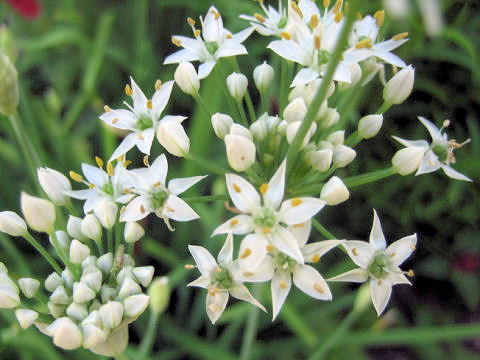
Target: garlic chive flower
<point>272,23</point>
<point>378,263</point>
<point>220,279</point>
<point>438,154</point>
<point>212,42</point>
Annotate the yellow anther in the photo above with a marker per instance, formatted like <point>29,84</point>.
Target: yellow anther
<point>146,162</point>
<point>127,191</point>
<point>380,17</point>
<point>394,69</point>
<point>379,282</point>
<point>259,1</point>
<point>412,246</point>
<point>285,35</point>
<point>270,247</point>
<point>122,209</point>
<point>142,209</point>
<point>299,225</point>
<point>410,273</point>
<point>189,266</point>
<point>107,108</point>
<point>176,42</point>
<point>218,270</point>
<point>126,163</point>
<point>190,21</point>
<point>215,13</point>
<point>359,15</point>
<point>128,90</point>
<point>157,184</point>
<point>114,120</point>
<point>110,169</point>
<point>266,230</point>
<point>263,189</point>
<point>283,284</point>
<point>234,222</point>
<point>75,176</point>
<point>246,253</point>
<point>121,158</point>
<point>197,33</point>
<point>259,17</point>
<point>149,104</point>
<point>296,201</point>
<point>229,36</point>
<point>158,84</point>
<point>236,188</point>
<point>338,17</point>
<point>365,43</point>
<point>400,36</point>
<point>354,251</point>
<point>169,209</point>
<point>337,7</point>
<point>317,42</point>
<point>392,255</point>
<point>314,21</point>
<point>91,186</point>
<point>297,9</point>
<point>248,274</point>
<point>318,288</point>
<point>213,307</point>
<point>326,3</point>
<point>315,258</point>
<point>99,161</point>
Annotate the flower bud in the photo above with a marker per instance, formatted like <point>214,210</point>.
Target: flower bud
<point>133,232</point>
<point>62,238</point>
<point>263,76</point>
<point>337,137</point>
<point>240,130</point>
<point>171,135</point>
<point>82,293</point>
<point>334,191</point>
<point>60,296</point>
<point>29,286</point>
<point>111,314</point>
<point>89,261</point>
<point>144,274</point>
<point>12,224</point>
<point>356,75</point>
<point>115,344</point>
<point>105,263</point>
<point>68,277</point>
<point>129,287</point>
<point>295,110</point>
<point>321,160</point>
<point>135,305</point>
<point>92,228</point>
<point>26,317</point>
<point>39,213</point>
<point>187,79</point>
<point>241,152</point>
<point>400,86</point>
<point>78,251</point>
<point>108,293</point>
<point>9,295</point>
<point>8,86</point>
<point>408,160</point>
<point>54,184</point>
<point>106,213</point>
<point>124,273</point>
<point>292,130</point>
<point>343,155</point>
<point>77,311</point>
<point>237,85</point>
<point>56,310</point>
<point>92,277</point>
<point>65,333</point>
<point>221,124</point>
<point>128,260</point>
<point>3,268</point>
<point>322,112</point>
<point>93,336</point>
<point>370,125</point>
<point>259,129</point>
<point>53,281</point>
<point>74,228</point>
<point>159,292</point>
<point>331,118</point>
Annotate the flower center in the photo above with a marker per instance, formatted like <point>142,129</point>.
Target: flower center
<point>378,268</point>
<point>282,23</point>
<point>212,47</point>
<point>323,57</point>
<point>222,278</point>
<point>266,219</point>
<point>441,151</point>
<point>144,122</point>
<point>283,262</point>
<point>108,188</point>
<point>158,198</point>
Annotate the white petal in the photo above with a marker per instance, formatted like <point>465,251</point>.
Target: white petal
<point>160,98</point>
<point>360,252</point>
<point>389,45</point>
<point>299,210</point>
<point>397,278</point>
<point>412,143</point>
<point>253,250</point>
<point>205,69</point>
<point>454,174</point>
<point>139,98</point>
<point>181,55</point>
<point>276,187</point>
<point>377,238</point>
<point>390,58</point>
<point>380,291</point>
<point>239,225</point>
<point>356,275</point>
<point>124,146</point>
<point>204,260</point>
<point>202,281</point>
<point>313,252</point>
<point>432,129</point>
<point>231,48</point>
<point>241,292</point>
<point>158,170</point>
<point>301,232</point>
<point>309,8</point>
<point>92,201</point>
<point>212,27</point>
<point>225,256</point>
<point>289,50</point>
<point>79,194</point>
<point>309,280</point>
<point>343,73</point>
<point>133,211</point>
<point>401,249</point>
<point>430,163</point>
<point>120,119</point>
<point>284,241</point>
<point>177,209</point>
<point>145,140</point>
<point>178,186</point>
<point>243,35</point>
<point>304,76</point>
<point>176,118</point>
<point>216,304</point>
<point>242,193</point>
<point>264,272</point>
<point>94,175</point>
<point>280,286</point>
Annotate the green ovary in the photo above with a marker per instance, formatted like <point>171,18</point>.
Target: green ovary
<point>266,219</point>
<point>441,151</point>
<point>212,46</point>
<point>222,278</point>
<point>378,268</point>
<point>144,122</point>
<point>108,188</point>
<point>158,198</point>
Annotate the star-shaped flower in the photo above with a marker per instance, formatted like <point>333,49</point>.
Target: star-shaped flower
<point>210,44</point>
<point>378,263</point>
<point>220,279</point>
<point>268,216</point>
<point>155,196</point>
<point>438,154</point>
<point>272,24</point>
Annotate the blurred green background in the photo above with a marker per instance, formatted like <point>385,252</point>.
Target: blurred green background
<point>77,56</point>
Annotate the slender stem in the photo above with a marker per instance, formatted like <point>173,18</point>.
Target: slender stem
<point>195,199</point>
<point>223,81</point>
<point>15,254</point>
<point>322,91</point>
<point>214,168</point>
<point>248,99</point>
<point>369,177</point>
<point>199,99</point>
<point>354,139</point>
<point>385,106</point>
<point>27,236</point>
<point>263,100</point>
<point>243,115</point>
<point>149,335</point>
<point>251,331</point>
<point>63,256</point>
<point>110,240</point>
<point>283,85</point>
<point>118,235</point>
<point>121,356</point>
<point>323,230</point>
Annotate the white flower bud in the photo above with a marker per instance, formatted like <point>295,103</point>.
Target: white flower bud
<point>128,260</point>
<point>171,135</point>
<point>26,317</point>
<point>331,118</point>
<point>93,336</point>
<point>92,276</point>
<point>186,78</point>
<point>39,213</point>
<point>129,287</point>
<point>54,184</point>
<point>82,293</point>
<point>337,137</point>
<point>135,305</point>
<point>78,251</point>
<point>397,8</point>
<point>107,293</point>
<point>237,85</point>
<point>105,263</point>
<point>237,129</point>
<point>53,281</point>
<point>312,89</point>
<point>259,129</point>
<point>62,238</point>
<point>144,274</point>
<point>29,286</point>
<point>56,310</point>
<point>111,314</point>
<point>68,277</point>
<point>295,110</point>
<point>124,273</point>
<point>92,228</point>
<point>60,296</point>
<point>321,160</point>
<point>65,333</point>
<point>12,224</point>
<point>334,191</point>
<point>400,86</point>
<point>133,232</point>
<point>356,75</point>
<point>74,228</point>
<point>322,112</point>
<point>92,319</point>
<point>325,145</point>
<point>9,295</point>
<point>221,124</point>
<point>115,344</point>
<point>282,128</point>
<point>159,292</point>
<point>263,76</point>
<point>343,155</point>
<point>241,152</point>
<point>91,260</point>
<point>106,213</point>
<point>408,160</point>
<point>370,125</point>
<point>3,268</point>
<point>77,311</point>
<point>292,130</point>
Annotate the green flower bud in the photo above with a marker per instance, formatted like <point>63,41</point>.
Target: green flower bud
<point>159,293</point>
<point>8,86</point>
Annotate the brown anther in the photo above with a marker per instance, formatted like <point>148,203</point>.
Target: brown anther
<point>380,17</point>
<point>392,255</point>
<point>283,284</point>
<point>259,17</point>
<point>140,136</point>
<point>246,253</point>
<point>365,43</point>
<point>213,307</point>
<point>169,209</point>
<point>379,282</point>
<point>297,9</point>
<point>123,208</point>
<point>394,69</point>
<point>317,42</point>
<point>127,191</point>
<point>318,288</point>
<point>158,84</point>
<point>128,90</point>
<point>231,208</point>
<point>110,169</point>
<point>413,247</point>
<point>145,161</point>
<point>157,184</point>
<point>142,209</point>
<point>263,189</point>
<point>236,188</point>
<point>285,35</point>
<point>315,258</point>
<point>354,251</point>
<point>176,42</point>
<point>400,36</point>
<point>189,266</point>
<point>296,201</point>
<point>218,270</point>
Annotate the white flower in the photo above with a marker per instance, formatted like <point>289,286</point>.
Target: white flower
<point>334,191</point>
<point>102,185</point>
<point>173,138</point>
<point>54,184</point>
<point>267,218</point>
<point>143,119</point>
<point>210,44</point>
<point>155,196</point>
<point>221,124</point>
<point>187,79</point>
<point>220,279</point>
<point>78,251</point>
<point>66,334</point>
<point>438,154</point>
<point>407,160</point>
<point>12,224</point>
<point>111,314</point>
<point>133,232</point>
<point>39,213</point>
<point>379,263</point>
<point>92,228</point>
<point>272,24</point>
<point>370,125</point>
<point>106,212</point>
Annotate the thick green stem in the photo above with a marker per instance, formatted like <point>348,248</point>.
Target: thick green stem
<point>42,251</point>
<point>328,235</point>
<point>251,330</point>
<point>203,163</point>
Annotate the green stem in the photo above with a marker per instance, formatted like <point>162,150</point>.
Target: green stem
<point>354,139</point>
<point>110,240</point>
<point>223,81</point>
<point>326,80</point>
<point>283,85</point>
<point>385,106</point>
<point>263,100</point>
<point>149,335</point>
<point>369,177</point>
<point>118,235</point>
<point>248,99</point>
<point>243,115</point>
<point>63,256</point>
<point>195,199</point>
<point>203,163</point>
<point>121,356</point>
<point>199,99</point>
<point>328,235</point>
<point>15,255</point>
<point>251,330</point>
<point>27,236</point>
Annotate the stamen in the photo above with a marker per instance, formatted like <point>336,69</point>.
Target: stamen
<point>266,230</point>
<point>400,36</point>
<point>392,255</point>
<point>259,17</point>
<point>149,104</point>
<point>128,90</point>
<point>354,251</point>
<point>123,208</point>
<point>297,9</point>
<point>157,184</point>
<point>359,15</point>
<point>169,209</point>
<point>91,186</point>
<point>145,161</point>
<point>215,13</point>
<point>380,17</point>
<point>319,288</point>
<point>270,247</point>
<point>189,266</point>
<point>338,17</point>
<point>127,191</point>
<point>296,201</point>
<point>337,7</point>
<point>99,161</point>
<point>140,136</point>
<point>283,284</point>
<point>315,258</point>
<point>110,169</point>
<point>248,274</point>
<point>365,43</point>
<point>142,209</point>
<point>114,120</point>
<point>190,21</point>
<point>218,270</point>
<point>299,225</point>
<point>413,247</point>
<point>176,42</point>
<point>197,33</point>
<point>229,36</point>
<point>380,282</point>
<point>326,3</point>
<point>410,273</point>
<point>107,108</point>
<point>234,222</point>
<point>236,188</point>
<point>314,21</point>
<point>158,84</point>
<point>263,189</point>
<point>246,253</point>
<point>394,69</point>
<point>126,163</point>
<point>446,123</point>
<point>285,35</point>
<point>75,176</point>
<point>317,42</point>
<point>121,158</point>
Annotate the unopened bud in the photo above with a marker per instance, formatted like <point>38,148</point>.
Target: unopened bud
<point>237,85</point>
<point>129,287</point>
<point>135,305</point>
<point>400,86</point>
<point>54,184</point>
<point>26,317</point>
<point>144,274</point>
<point>221,124</point>
<point>78,251</point>
<point>92,228</point>
<point>29,286</point>
<point>187,79</point>
<point>82,293</point>
<point>66,334</point>
<point>241,152</point>
<point>12,224</point>
<point>159,292</point>
<point>370,125</point>
<point>408,160</point>
<point>105,263</point>
<point>263,76</point>
<point>171,135</point>
<point>331,118</point>
<point>343,155</point>
<point>334,191</point>
<point>295,110</point>
<point>53,281</point>
<point>8,86</point>
<point>237,129</point>
<point>74,228</point>
<point>106,212</point>
<point>9,295</point>
<point>133,232</point>
<point>111,314</point>
<point>292,130</point>
<point>39,213</point>
<point>321,160</point>
<point>77,312</point>
<point>337,137</point>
